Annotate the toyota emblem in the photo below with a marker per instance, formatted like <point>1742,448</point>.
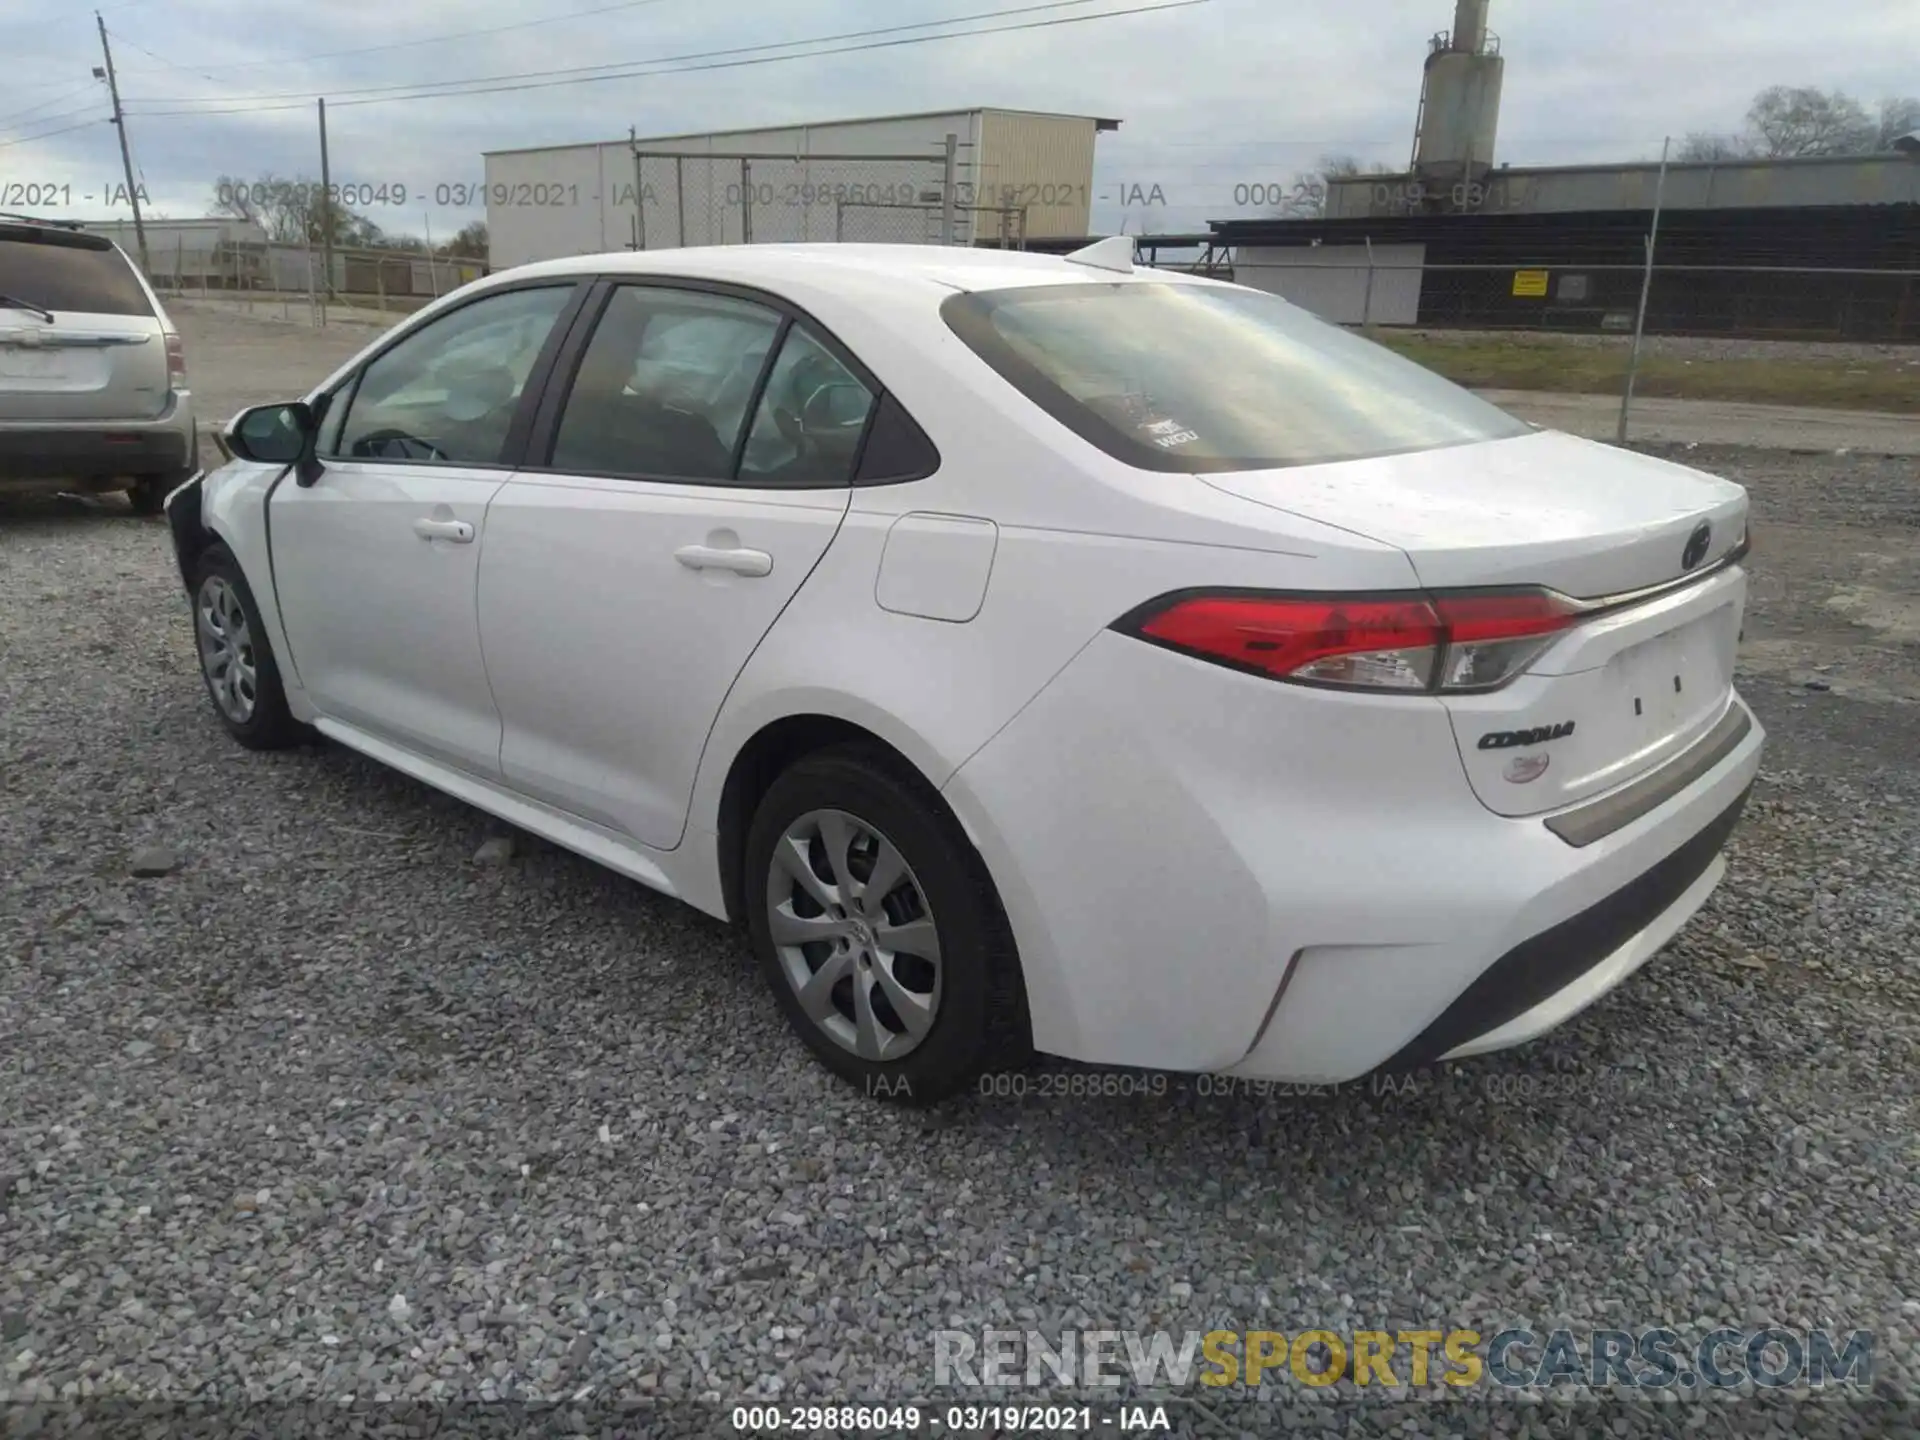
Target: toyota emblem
<point>1698,543</point>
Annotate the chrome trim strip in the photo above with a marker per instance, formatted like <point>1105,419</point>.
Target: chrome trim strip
<point>1625,598</point>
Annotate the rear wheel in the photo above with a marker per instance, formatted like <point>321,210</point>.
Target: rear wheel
<point>879,931</point>
<point>148,494</point>
<point>236,659</point>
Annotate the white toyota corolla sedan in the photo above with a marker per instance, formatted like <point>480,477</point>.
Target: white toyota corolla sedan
<point>1029,652</point>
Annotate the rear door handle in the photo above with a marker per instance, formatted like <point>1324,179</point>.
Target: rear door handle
<point>740,562</point>
<point>458,531</point>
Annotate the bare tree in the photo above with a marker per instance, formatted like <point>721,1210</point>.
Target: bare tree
<point>1898,116</point>
<point>1306,199</point>
<point>293,212</point>
<point>235,197</point>
<point>469,242</point>
<point>1801,120</point>
<point>1704,145</point>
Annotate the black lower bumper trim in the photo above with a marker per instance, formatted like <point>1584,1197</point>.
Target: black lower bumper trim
<point>107,451</point>
<point>183,522</point>
<point>1554,959</point>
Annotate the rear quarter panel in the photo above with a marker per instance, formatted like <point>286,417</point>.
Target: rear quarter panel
<point>939,689</point>
<point>1079,540</point>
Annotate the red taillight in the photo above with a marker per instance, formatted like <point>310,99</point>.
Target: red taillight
<point>1413,643</point>
<point>176,361</point>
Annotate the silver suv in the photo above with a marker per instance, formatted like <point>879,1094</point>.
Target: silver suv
<point>93,377</point>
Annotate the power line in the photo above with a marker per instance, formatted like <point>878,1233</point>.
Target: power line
<point>408,44</point>
<point>48,134</point>
<point>74,114</point>
<point>19,115</point>
<point>171,65</point>
<point>587,72</point>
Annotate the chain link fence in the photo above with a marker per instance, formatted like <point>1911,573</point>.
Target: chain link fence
<point>701,199</point>
<point>284,277</point>
<point>1761,302</point>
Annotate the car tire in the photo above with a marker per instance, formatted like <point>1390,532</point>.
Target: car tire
<point>236,658</point>
<point>148,494</point>
<point>963,1012</point>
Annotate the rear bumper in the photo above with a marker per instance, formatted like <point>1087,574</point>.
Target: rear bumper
<point>34,451</point>
<point>1209,872</point>
<point>1545,981</point>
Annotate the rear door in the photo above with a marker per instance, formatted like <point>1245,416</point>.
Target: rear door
<point>375,563</point>
<point>79,336</point>
<point>680,487</point>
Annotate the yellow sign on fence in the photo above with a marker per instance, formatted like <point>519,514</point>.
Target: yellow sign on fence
<point>1530,282</point>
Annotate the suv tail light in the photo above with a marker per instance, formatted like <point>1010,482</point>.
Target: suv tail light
<point>1414,643</point>
<point>176,361</point>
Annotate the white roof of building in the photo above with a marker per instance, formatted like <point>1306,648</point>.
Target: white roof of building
<point>1100,122</point>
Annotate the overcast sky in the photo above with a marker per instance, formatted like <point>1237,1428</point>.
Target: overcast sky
<point>1213,95</point>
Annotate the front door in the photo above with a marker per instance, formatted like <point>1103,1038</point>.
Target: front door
<point>375,563</point>
<point>700,467</point>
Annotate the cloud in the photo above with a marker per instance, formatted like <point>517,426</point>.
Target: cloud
<point>1214,97</point>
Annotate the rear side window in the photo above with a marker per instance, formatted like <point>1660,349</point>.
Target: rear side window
<point>811,420</point>
<point>665,385</point>
<point>63,271</point>
<point>1198,379</point>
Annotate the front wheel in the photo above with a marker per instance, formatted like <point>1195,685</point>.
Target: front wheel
<point>879,931</point>
<point>236,659</point>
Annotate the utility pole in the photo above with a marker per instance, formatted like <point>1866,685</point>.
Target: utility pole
<point>326,216</point>
<point>126,155</point>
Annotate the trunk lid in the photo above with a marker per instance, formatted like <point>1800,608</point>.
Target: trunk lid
<point>81,367</point>
<point>1621,692</point>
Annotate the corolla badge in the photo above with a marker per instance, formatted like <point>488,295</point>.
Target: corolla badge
<point>1525,769</point>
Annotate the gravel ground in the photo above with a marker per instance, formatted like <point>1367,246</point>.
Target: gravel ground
<point>333,1108</point>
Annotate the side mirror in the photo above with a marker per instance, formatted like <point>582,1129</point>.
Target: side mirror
<point>272,434</point>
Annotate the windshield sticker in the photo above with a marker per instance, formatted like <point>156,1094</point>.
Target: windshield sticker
<point>1169,433</point>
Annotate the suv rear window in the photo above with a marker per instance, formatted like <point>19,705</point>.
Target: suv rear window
<point>65,271</point>
<point>1199,378</point>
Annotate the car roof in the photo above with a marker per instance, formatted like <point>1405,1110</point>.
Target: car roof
<point>817,263</point>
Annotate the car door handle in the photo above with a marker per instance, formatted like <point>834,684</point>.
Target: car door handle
<point>740,562</point>
<point>458,531</point>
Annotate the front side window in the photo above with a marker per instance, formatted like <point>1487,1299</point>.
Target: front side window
<point>1199,378</point>
<point>448,391</point>
<point>665,384</point>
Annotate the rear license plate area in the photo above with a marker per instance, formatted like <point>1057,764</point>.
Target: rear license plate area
<point>18,363</point>
<point>1663,683</point>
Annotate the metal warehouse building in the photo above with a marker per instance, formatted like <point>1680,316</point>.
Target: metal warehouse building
<point>957,177</point>
<point>1817,247</point>
<point>1824,247</point>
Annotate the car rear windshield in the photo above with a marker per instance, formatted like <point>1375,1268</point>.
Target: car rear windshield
<point>63,271</point>
<point>1202,378</point>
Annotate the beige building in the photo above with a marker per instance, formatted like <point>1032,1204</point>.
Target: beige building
<point>960,177</point>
